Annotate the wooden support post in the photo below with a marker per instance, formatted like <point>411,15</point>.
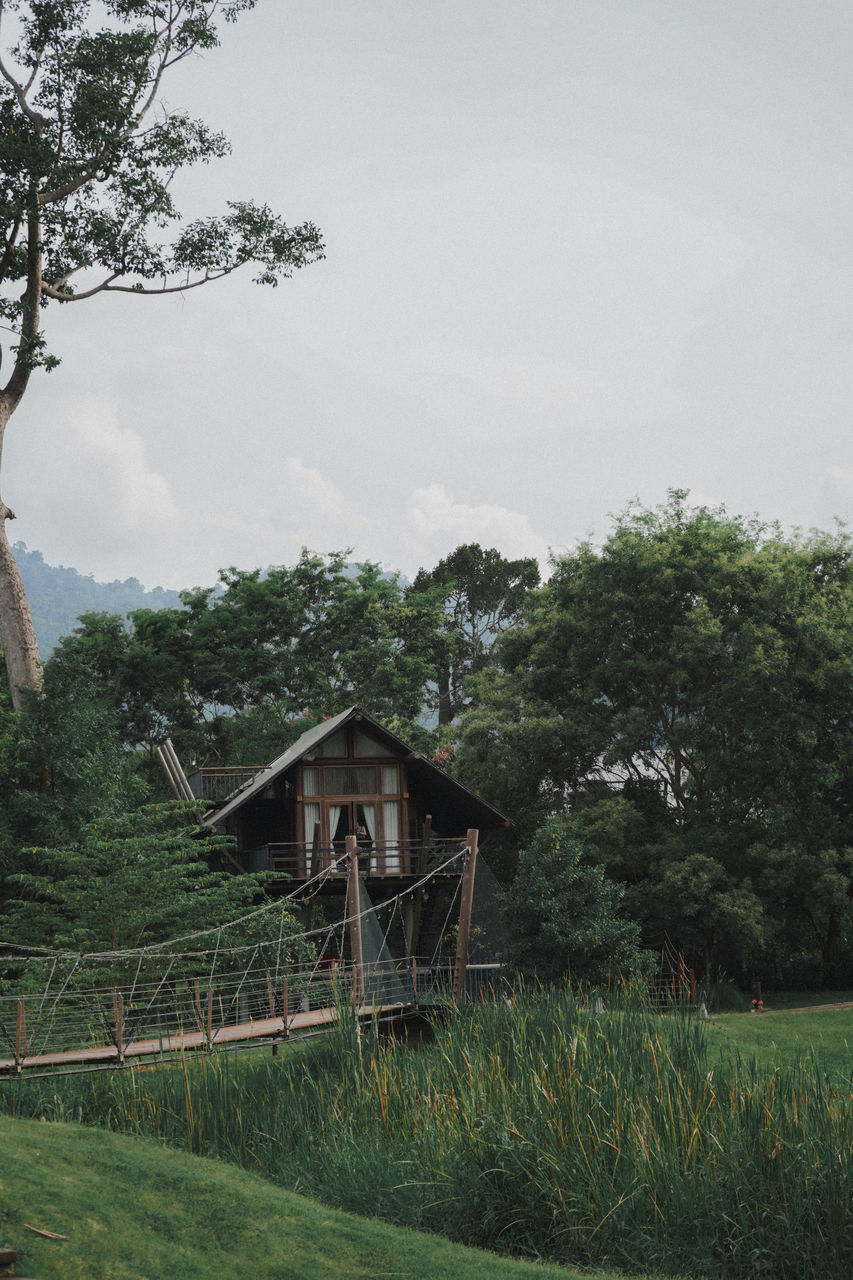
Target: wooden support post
<point>468,873</point>
<point>315,851</point>
<point>423,852</point>
<point>118,1018</point>
<point>354,913</point>
<point>270,995</point>
<point>209,1022</point>
<point>414,922</point>
<point>20,1037</point>
<point>414,963</point>
<point>285,1005</point>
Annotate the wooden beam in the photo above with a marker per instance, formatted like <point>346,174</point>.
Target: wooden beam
<point>467,899</point>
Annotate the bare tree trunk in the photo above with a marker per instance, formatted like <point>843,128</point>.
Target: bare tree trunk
<point>17,633</point>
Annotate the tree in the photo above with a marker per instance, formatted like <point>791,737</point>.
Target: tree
<point>235,674</point>
<point>565,914</point>
<point>483,594</point>
<point>130,881</point>
<point>88,153</point>
<point>699,668</point>
<point>124,881</point>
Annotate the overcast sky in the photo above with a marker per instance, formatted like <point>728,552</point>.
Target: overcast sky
<point>578,251</point>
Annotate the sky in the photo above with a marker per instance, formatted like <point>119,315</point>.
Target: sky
<point>578,252</point>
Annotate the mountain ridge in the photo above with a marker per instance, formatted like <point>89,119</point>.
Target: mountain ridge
<point>58,595</point>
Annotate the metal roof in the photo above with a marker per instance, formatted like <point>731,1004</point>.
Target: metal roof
<point>433,779</point>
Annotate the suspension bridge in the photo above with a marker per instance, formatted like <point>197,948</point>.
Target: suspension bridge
<point>251,981</point>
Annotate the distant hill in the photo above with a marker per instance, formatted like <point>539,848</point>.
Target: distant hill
<point>58,596</point>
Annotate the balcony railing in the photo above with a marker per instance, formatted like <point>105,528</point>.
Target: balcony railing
<point>216,784</point>
<point>401,858</point>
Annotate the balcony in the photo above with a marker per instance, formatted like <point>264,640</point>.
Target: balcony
<point>217,784</point>
<point>404,858</point>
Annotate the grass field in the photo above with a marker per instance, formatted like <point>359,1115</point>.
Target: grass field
<point>132,1209</point>
<point>629,1140</point>
<point>782,1040</point>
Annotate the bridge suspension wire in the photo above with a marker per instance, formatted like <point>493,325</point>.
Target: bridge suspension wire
<point>107,1007</point>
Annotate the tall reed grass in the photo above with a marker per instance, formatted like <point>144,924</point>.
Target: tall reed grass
<point>542,1128</point>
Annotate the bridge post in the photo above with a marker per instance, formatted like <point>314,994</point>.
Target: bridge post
<point>209,1025</point>
<point>354,913</point>
<point>20,1037</point>
<point>118,1018</point>
<point>285,1005</point>
<point>469,868</point>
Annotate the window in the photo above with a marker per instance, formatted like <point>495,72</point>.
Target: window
<point>350,780</point>
<point>367,746</point>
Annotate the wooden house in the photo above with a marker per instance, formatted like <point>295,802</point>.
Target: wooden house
<point>347,776</point>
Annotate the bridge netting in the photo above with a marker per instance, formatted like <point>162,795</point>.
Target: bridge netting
<point>259,976</point>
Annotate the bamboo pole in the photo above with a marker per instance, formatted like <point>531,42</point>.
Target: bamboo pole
<point>354,913</point>
<point>180,777</point>
<point>167,769</point>
<point>467,898</point>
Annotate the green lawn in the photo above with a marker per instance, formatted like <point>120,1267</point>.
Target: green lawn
<point>135,1210</point>
<point>782,1039</point>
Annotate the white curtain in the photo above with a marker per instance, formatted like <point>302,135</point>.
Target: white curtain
<point>391,815</point>
<point>312,816</point>
<point>334,819</point>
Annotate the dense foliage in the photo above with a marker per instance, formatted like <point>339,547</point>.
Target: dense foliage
<point>564,915</point>
<point>685,694</point>
<point>680,699</point>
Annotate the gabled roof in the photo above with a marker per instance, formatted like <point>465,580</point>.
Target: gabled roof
<point>439,790</point>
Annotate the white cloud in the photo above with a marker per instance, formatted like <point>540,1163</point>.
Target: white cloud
<point>97,502</point>
<point>115,471</point>
<point>437,524</point>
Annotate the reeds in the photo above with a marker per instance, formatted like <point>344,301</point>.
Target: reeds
<point>540,1128</point>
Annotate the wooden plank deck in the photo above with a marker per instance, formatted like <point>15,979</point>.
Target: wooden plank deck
<point>178,1042</point>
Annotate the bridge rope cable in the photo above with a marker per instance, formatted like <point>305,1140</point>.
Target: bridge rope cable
<point>163,1003</point>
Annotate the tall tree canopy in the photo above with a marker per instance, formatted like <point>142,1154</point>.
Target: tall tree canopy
<point>234,674</point>
<point>483,593</point>
<point>88,154</point>
<point>686,692</point>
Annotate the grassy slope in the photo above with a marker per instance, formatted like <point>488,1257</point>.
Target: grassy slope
<point>133,1210</point>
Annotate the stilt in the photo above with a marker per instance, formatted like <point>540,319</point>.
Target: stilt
<point>468,872</point>
<point>354,913</point>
